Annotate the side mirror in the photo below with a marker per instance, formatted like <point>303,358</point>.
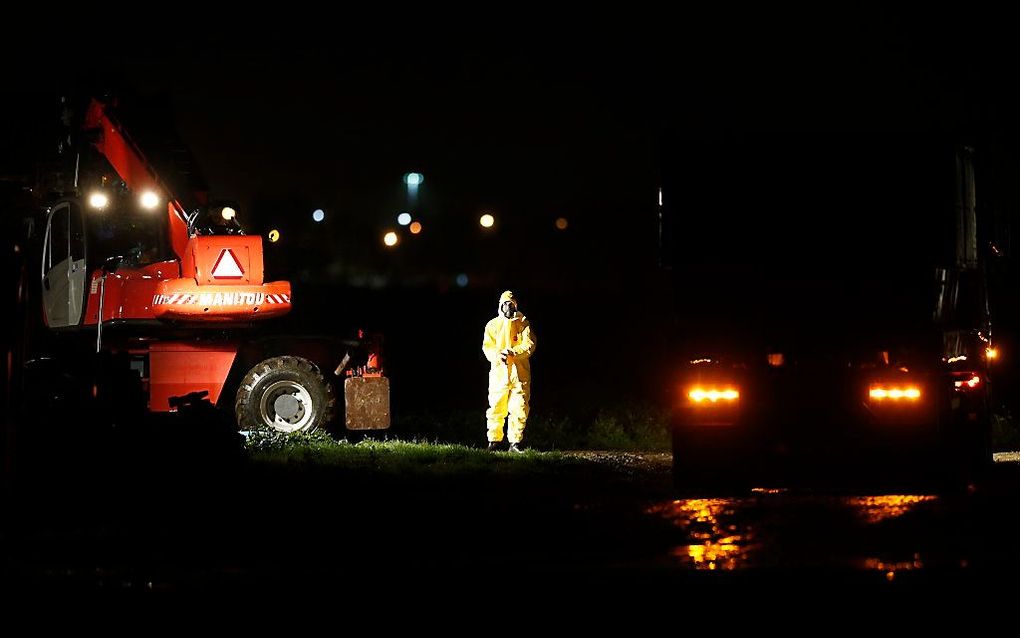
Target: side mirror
<point>112,263</point>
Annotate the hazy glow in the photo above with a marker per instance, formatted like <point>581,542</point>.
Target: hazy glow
<point>562,223</point>
<point>992,353</point>
<point>229,213</point>
<point>414,179</point>
<point>149,200</point>
<point>390,238</point>
<point>404,219</point>
<point>415,228</point>
<point>487,220</point>
<point>98,200</point>
<point>462,280</point>
<point>700,395</point>
<point>318,215</point>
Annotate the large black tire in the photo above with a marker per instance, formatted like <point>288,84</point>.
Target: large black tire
<point>287,394</point>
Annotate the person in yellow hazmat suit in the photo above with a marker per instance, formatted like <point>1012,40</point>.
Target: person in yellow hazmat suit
<point>508,344</point>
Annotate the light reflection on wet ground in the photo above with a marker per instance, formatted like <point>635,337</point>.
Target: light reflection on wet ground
<point>717,540</point>
<point>773,528</point>
<point>890,569</point>
<point>875,509</point>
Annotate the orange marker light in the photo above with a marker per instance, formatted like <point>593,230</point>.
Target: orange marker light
<point>879,393</point>
<point>712,395</point>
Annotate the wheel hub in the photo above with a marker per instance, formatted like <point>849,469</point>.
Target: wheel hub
<point>287,406</point>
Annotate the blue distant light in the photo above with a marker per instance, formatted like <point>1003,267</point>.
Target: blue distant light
<point>414,179</point>
<point>319,215</point>
<point>404,219</point>
<point>462,280</point>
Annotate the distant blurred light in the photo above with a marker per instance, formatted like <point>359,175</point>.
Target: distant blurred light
<point>404,219</point>
<point>487,220</point>
<point>415,228</point>
<point>561,223</point>
<point>319,215</point>
<point>992,353</point>
<point>391,238</point>
<point>414,179</point>
<point>462,280</point>
<point>98,200</point>
<point>229,213</point>
<point>149,200</point>
<point>274,235</point>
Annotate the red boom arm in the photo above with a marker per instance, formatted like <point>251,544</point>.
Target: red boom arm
<point>125,158</point>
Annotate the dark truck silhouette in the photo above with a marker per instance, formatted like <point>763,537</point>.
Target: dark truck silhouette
<point>832,300</point>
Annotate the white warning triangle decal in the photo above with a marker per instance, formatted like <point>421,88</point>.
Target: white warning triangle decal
<point>227,266</point>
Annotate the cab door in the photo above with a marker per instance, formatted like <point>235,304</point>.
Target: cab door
<point>63,267</point>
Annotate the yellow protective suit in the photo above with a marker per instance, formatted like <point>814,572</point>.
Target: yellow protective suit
<point>510,381</point>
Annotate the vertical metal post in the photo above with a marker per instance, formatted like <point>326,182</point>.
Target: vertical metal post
<point>99,321</point>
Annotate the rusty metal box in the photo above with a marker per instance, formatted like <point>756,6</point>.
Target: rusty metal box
<point>367,401</point>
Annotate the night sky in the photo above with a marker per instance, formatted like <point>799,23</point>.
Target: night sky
<point>530,116</point>
<point>526,117</point>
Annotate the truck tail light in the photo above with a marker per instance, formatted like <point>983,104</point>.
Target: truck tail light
<point>900,392</point>
<point>712,395</point>
<point>966,381</point>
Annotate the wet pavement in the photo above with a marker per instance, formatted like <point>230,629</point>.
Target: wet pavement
<point>615,518</point>
<point>967,530</point>
<point>774,529</point>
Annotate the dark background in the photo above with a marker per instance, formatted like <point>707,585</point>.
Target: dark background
<point>531,116</point>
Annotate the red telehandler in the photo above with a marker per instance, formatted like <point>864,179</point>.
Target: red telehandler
<point>140,296</point>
